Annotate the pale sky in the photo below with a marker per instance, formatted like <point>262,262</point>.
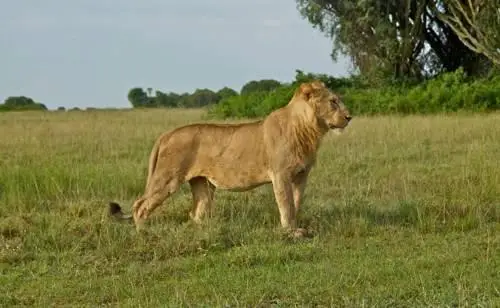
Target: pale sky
<point>89,53</point>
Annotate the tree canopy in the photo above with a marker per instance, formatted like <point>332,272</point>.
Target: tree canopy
<point>13,103</point>
<point>409,38</point>
<point>476,23</point>
<point>264,85</point>
<point>139,98</point>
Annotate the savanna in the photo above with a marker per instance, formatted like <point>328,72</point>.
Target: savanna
<point>404,211</point>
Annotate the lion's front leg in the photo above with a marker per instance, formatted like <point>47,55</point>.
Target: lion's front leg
<point>298,186</point>
<point>283,192</point>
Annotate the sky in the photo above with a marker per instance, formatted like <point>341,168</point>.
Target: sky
<point>90,53</point>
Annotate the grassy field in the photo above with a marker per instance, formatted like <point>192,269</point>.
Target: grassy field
<point>405,213</point>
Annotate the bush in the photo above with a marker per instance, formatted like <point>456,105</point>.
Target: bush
<point>239,106</point>
<point>448,92</point>
<point>35,106</point>
<point>14,103</point>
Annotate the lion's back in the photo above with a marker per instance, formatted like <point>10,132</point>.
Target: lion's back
<point>222,152</point>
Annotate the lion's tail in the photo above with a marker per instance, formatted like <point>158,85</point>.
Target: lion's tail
<point>153,158</point>
<point>115,210</point>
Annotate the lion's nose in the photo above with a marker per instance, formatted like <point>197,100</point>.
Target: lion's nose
<point>348,118</point>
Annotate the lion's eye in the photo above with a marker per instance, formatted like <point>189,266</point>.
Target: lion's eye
<point>334,103</point>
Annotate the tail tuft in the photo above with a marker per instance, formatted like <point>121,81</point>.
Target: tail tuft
<point>115,210</point>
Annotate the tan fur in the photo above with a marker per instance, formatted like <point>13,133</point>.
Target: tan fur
<point>280,150</point>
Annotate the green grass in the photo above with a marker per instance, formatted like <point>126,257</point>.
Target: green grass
<point>405,213</point>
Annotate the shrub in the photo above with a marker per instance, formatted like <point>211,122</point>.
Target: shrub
<point>19,103</point>
<point>448,92</point>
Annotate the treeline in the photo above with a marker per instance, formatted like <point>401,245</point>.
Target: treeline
<point>20,103</point>
<point>445,92</point>
<point>139,98</point>
<point>448,92</point>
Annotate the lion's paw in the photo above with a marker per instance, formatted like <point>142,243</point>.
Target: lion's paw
<point>300,233</point>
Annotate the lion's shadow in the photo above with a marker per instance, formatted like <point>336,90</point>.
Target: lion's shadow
<point>263,212</point>
<point>358,214</point>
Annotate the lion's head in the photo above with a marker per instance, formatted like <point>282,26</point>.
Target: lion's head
<point>327,107</point>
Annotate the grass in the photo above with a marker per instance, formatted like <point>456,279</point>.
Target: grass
<point>405,212</point>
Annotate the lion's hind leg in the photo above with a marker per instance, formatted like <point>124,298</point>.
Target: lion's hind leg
<point>203,195</point>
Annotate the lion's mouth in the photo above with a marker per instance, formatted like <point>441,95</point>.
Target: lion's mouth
<point>333,126</point>
<point>337,128</point>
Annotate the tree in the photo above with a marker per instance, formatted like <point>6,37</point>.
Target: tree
<point>183,100</point>
<point>137,97</point>
<point>226,92</point>
<point>264,85</point>
<point>200,98</point>
<point>167,99</point>
<point>330,81</point>
<point>391,38</point>
<point>21,103</point>
<point>476,22</point>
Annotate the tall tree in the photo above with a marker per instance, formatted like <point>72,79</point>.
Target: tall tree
<point>476,23</point>
<point>398,38</point>
<point>226,92</point>
<point>264,85</point>
<point>137,97</point>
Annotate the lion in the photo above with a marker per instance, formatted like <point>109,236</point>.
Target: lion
<point>279,150</point>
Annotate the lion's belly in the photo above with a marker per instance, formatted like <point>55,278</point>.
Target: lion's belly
<point>237,178</point>
<point>233,178</point>
<point>238,183</point>
<point>236,187</point>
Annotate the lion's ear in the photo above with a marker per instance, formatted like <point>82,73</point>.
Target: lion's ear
<point>318,84</point>
<point>306,90</point>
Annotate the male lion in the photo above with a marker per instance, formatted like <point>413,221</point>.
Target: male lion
<point>280,149</point>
